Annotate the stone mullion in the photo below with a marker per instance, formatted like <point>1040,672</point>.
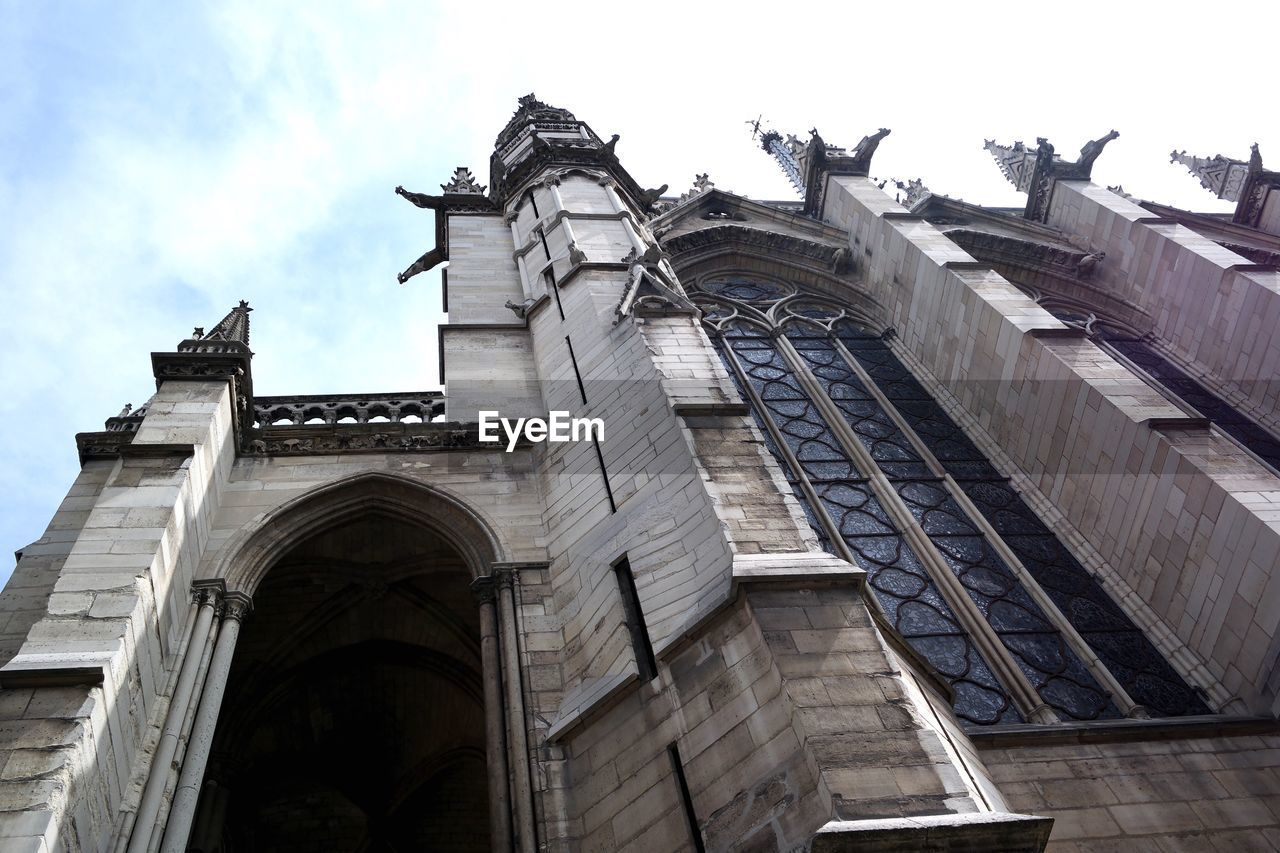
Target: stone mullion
<point>833,532</point>
<point>1119,695</point>
<point>1021,690</point>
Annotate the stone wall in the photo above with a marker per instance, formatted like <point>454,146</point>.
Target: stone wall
<point>1193,794</point>
<point>1161,501</point>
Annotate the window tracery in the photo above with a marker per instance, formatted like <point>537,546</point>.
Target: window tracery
<point>958,563</point>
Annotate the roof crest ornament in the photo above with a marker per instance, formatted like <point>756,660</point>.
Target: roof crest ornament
<point>463,183</point>
<point>1034,170</point>
<point>1222,176</point>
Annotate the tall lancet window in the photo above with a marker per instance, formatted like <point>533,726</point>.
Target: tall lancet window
<point>958,563</point>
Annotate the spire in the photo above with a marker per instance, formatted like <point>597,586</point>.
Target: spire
<point>233,328</point>
<point>1222,176</point>
<point>785,152</point>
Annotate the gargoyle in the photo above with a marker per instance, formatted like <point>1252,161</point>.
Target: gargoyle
<point>422,264</point>
<point>609,146</point>
<point>419,199</point>
<point>1085,266</point>
<point>1093,148</point>
<point>865,149</point>
<point>521,310</point>
<point>648,197</point>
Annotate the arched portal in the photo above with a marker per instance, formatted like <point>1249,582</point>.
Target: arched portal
<point>364,706</point>
<point>354,712</point>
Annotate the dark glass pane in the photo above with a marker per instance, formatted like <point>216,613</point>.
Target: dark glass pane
<point>745,289</point>
<point>1225,416</point>
<point>1120,645</point>
<point>902,586</point>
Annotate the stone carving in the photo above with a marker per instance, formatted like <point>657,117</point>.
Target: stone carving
<point>1034,171</point>
<point>419,199</point>
<point>866,149</point>
<point>462,183</point>
<point>910,192</point>
<point>842,262</point>
<point>653,284</point>
<point>1091,149</point>
<point>648,197</point>
<point>124,413</point>
<point>422,264</point>
<point>576,255</point>
<point>521,310</point>
<point>1222,176</point>
<point>353,438</point>
<point>610,145</point>
<point>767,242</point>
<point>1085,266</point>
<point>332,409</point>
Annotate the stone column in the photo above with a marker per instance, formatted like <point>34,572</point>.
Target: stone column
<point>236,606</point>
<point>153,795</point>
<point>494,736</point>
<point>518,739</point>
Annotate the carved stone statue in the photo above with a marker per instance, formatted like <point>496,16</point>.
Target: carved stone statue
<point>124,413</point>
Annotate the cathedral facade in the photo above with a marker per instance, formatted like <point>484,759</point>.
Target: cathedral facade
<point>908,524</point>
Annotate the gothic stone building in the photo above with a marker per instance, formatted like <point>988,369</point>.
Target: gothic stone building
<point>915,525</point>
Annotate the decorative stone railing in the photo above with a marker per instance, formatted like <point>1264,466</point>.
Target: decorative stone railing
<point>424,406</point>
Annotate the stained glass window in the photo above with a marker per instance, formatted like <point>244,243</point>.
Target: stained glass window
<point>807,365</point>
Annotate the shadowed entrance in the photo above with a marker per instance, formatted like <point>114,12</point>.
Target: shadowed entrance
<point>354,714</point>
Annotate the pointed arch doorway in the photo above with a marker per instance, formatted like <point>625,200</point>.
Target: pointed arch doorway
<point>354,712</point>
<point>371,703</point>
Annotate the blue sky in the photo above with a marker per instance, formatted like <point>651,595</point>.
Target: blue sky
<point>160,162</point>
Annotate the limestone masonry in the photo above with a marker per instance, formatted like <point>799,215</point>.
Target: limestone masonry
<point>909,525</point>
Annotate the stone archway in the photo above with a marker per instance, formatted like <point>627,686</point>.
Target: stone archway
<point>375,702</point>
<point>354,713</point>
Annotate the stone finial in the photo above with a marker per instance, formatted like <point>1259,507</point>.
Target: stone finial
<point>910,192</point>
<point>233,328</point>
<point>1016,162</point>
<point>1222,176</point>
<point>462,183</point>
<point>1035,170</point>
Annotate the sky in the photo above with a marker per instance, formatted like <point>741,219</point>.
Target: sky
<point>160,162</point>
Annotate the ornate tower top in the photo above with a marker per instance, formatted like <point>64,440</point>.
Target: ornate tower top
<point>531,110</point>
<point>539,136</point>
